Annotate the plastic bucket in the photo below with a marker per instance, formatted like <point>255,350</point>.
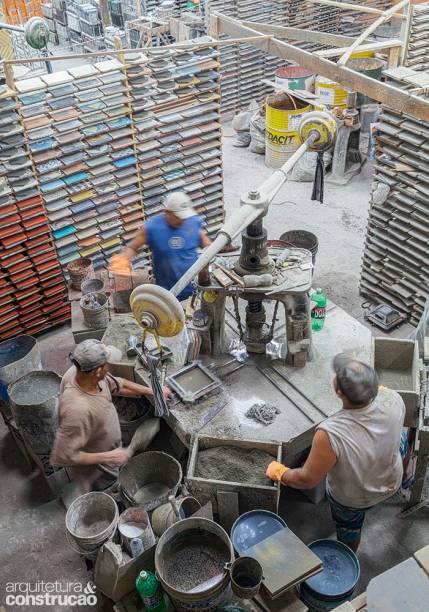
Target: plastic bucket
<point>301,239</point>
<point>135,523</point>
<point>338,580</point>
<point>191,561</point>
<point>17,357</point>
<point>176,510</point>
<point>95,317</point>
<point>149,479</point>
<point>330,93</point>
<point>246,577</point>
<point>295,77</point>
<point>90,521</point>
<point>79,270</point>
<point>34,404</point>
<point>282,117</point>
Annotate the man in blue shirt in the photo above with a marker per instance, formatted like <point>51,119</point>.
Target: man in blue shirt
<point>174,237</point>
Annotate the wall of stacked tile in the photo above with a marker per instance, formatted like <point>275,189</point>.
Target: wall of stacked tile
<point>243,66</point>
<point>92,152</point>
<point>395,266</point>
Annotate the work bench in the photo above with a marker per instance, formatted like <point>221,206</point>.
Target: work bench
<point>304,396</point>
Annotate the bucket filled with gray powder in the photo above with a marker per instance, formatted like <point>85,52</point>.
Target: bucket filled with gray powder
<point>34,404</point>
<point>190,560</point>
<point>91,520</point>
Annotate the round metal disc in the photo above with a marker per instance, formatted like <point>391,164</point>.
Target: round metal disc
<point>160,307</point>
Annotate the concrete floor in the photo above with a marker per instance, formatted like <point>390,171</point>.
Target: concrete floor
<point>32,537</point>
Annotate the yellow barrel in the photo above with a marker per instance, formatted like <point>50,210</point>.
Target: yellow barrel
<point>282,118</point>
<point>330,93</point>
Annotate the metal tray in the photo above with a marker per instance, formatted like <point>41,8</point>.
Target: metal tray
<point>193,382</point>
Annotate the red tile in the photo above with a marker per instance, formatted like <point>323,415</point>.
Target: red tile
<point>29,202</point>
<point>29,301</point>
<point>15,331</point>
<point>14,240</point>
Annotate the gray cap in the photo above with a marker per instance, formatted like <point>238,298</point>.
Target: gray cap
<point>356,380</point>
<point>90,354</point>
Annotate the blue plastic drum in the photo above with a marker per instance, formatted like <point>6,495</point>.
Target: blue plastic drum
<point>253,527</point>
<point>340,575</point>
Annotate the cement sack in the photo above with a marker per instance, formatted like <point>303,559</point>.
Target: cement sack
<point>304,169</point>
<point>241,122</point>
<point>257,133</point>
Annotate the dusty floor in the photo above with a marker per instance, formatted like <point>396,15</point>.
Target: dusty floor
<point>32,538</point>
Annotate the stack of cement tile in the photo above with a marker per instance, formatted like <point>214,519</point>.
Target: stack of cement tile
<point>416,53</point>
<point>176,107</point>
<point>32,288</point>
<point>353,23</point>
<point>395,266</point>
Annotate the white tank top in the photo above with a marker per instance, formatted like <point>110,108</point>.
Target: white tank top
<point>366,443</point>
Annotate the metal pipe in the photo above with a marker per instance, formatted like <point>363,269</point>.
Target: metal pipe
<point>274,183</point>
<point>8,26</point>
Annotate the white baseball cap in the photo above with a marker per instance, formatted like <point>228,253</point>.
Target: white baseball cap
<point>179,204</point>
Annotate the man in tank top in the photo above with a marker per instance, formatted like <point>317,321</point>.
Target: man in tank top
<point>357,449</point>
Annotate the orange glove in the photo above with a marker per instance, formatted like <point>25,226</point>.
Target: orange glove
<point>275,471</point>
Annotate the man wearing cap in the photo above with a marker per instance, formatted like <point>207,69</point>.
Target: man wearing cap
<point>357,449</point>
<point>88,440</point>
<point>174,236</point>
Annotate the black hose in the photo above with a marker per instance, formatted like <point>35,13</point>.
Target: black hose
<point>318,183</point>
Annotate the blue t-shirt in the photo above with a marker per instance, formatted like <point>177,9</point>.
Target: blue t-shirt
<point>174,249</point>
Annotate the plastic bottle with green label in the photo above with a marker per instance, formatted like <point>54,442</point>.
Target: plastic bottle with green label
<point>318,310</point>
<point>151,592</point>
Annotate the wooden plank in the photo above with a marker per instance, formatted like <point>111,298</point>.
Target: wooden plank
<point>285,560</point>
<point>422,558</point>
<point>227,508</point>
<point>323,38</point>
<point>374,46</point>
<point>391,96</point>
<point>354,7</point>
<point>385,16</point>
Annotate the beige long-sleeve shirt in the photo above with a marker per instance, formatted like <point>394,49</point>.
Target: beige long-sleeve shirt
<point>87,422</point>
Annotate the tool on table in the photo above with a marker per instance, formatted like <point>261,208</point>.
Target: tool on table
<point>132,343</point>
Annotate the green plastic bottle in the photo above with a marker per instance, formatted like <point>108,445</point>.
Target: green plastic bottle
<point>318,311</point>
<point>151,592</point>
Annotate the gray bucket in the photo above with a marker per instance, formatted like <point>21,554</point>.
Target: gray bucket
<point>135,523</point>
<point>246,577</point>
<point>91,285</point>
<point>132,412</point>
<point>176,510</point>
<point>149,479</point>
<point>90,521</point>
<point>95,310</point>
<point>301,239</point>
<point>191,561</point>
<point>17,357</point>
<point>34,404</point>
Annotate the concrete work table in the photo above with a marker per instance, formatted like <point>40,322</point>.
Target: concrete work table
<point>304,396</point>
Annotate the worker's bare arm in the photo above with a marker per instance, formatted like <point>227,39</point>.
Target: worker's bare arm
<point>115,457</point>
<point>137,242</point>
<point>205,240</point>
<point>132,389</point>
<point>320,460</point>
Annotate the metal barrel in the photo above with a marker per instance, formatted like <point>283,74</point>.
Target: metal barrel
<point>34,404</point>
<point>17,357</point>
